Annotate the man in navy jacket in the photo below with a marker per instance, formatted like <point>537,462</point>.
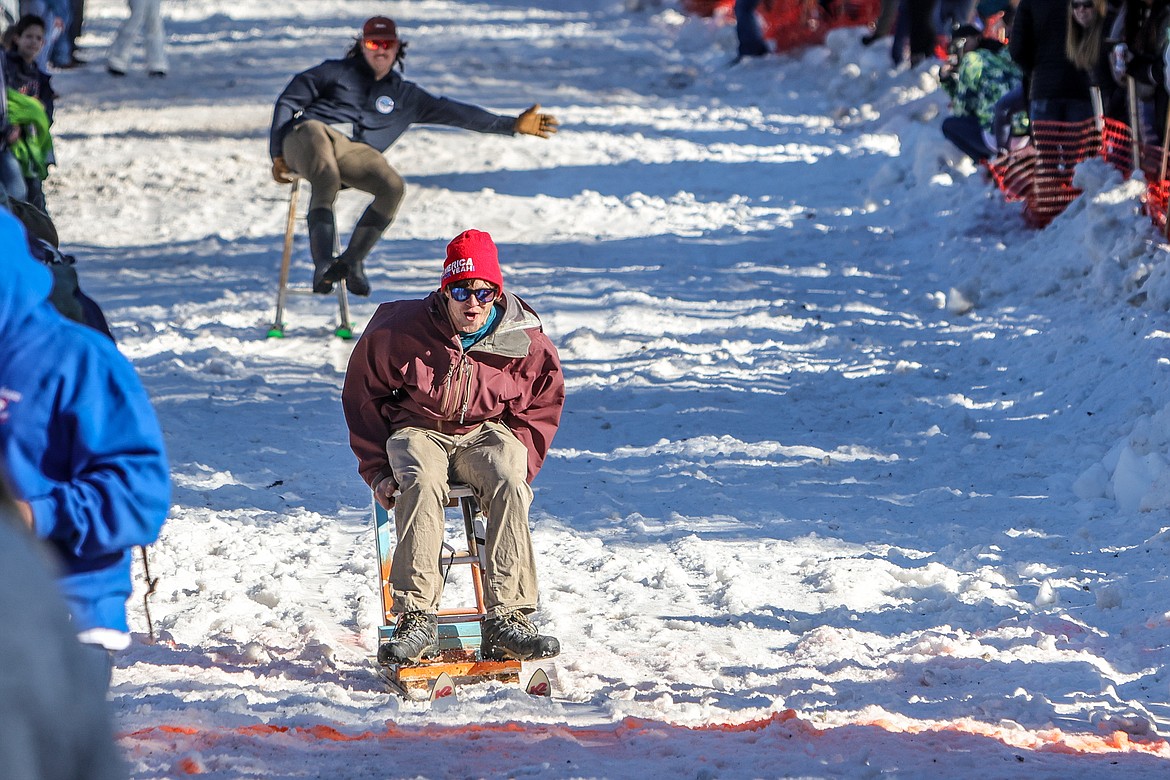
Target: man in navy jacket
<point>82,447</point>
<point>375,106</point>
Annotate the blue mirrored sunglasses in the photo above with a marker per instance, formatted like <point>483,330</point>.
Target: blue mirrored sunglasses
<point>486,295</point>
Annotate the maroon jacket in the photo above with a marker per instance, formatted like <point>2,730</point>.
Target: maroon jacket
<point>409,369</point>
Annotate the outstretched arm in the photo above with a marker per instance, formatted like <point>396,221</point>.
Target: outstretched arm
<point>444,111</point>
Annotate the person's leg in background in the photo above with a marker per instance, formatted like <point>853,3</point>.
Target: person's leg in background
<point>365,168</point>
<point>11,177</point>
<point>59,51</point>
<point>965,133</point>
<point>76,22</point>
<point>922,32</point>
<point>747,30</point>
<point>154,39</point>
<point>119,54</point>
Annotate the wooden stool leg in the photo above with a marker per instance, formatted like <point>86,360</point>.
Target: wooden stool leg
<point>478,574</point>
<point>277,329</point>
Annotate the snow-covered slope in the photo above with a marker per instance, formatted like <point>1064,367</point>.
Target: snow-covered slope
<point>857,474</point>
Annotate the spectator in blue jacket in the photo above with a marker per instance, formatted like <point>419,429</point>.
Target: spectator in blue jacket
<point>81,444</point>
<point>363,92</point>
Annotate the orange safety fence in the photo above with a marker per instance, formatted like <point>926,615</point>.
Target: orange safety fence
<point>1157,195</point>
<point>790,24</point>
<point>1041,173</point>
<point>1157,187</point>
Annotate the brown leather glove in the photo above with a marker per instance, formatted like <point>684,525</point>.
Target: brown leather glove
<point>532,122</point>
<point>280,172</point>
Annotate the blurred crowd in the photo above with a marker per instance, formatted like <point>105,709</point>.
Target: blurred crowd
<point>39,38</point>
<point>84,478</point>
<point>1055,61</point>
<point>1035,86</point>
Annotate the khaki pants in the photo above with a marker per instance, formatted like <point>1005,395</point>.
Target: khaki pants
<point>493,462</point>
<point>328,159</point>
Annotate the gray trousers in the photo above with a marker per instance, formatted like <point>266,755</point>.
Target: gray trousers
<point>494,463</point>
<point>329,159</point>
<point>145,18</point>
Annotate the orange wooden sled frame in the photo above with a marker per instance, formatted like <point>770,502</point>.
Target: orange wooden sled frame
<point>459,627</point>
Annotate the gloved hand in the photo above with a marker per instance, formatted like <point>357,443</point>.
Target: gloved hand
<point>280,171</point>
<point>1142,70</point>
<point>384,493</point>
<point>532,122</point>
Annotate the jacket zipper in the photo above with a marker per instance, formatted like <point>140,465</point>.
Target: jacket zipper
<point>448,400</point>
<point>457,389</point>
<point>470,371</point>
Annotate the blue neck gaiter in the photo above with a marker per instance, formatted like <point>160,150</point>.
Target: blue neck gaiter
<point>470,339</point>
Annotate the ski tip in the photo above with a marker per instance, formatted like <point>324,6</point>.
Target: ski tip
<point>442,687</point>
<point>538,684</point>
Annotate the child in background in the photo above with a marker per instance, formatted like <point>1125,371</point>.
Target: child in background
<point>30,106</point>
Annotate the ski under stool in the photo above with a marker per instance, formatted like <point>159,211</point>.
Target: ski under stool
<point>459,627</point>
<point>344,327</point>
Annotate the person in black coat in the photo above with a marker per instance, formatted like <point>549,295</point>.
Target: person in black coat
<point>1057,90</point>
<point>363,92</point>
<point>1140,35</point>
<point>1089,24</point>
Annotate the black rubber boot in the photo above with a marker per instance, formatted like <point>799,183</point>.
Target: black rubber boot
<point>513,636</point>
<point>365,235</point>
<point>327,269</point>
<point>415,636</point>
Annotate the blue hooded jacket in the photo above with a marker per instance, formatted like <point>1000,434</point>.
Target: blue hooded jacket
<point>79,438</point>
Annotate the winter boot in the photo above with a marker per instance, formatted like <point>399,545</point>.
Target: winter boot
<point>514,636</point>
<point>327,269</point>
<point>416,636</point>
<point>365,234</point>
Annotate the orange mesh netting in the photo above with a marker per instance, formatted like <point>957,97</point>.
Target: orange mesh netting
<point>1157,187</point>
<point>1157,194</point>
<point>1041,174</point>
<point>701,7</point>
<point>790,24</point>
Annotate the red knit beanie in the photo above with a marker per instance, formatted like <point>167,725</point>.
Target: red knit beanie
<point>472,255</point>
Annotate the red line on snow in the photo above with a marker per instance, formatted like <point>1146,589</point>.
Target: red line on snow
<point>1043,740</point>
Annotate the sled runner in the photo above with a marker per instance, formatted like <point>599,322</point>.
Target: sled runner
<point>344,328</point>
<point>459,627</point>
